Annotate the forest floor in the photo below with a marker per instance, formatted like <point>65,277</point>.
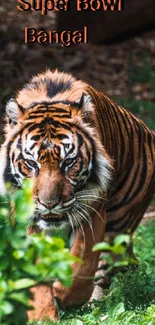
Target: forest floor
<point>125,70</point>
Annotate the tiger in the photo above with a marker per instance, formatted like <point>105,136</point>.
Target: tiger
<point>92,166</point>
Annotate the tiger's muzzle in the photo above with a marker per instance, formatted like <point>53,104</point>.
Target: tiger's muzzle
<point>53,196</point>
<point>54,214</point>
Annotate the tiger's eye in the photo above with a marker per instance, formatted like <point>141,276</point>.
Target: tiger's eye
<point>68,161</point>
<point>31,164</point>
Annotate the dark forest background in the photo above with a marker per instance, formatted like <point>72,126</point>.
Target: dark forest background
<point>118,60</point>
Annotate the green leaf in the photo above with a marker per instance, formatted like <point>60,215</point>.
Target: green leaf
<point>31,270</point>
<point>6,308</point>
<point>18,254</point>
<point>121,239</point>
<point>21,284</point>
<point>77,322</point>
<point>3,286</point>
<point>102,246</point>
<point>19,297</point>
<point>96,311</point>
<point>118,249</point>
<point>117,310</point>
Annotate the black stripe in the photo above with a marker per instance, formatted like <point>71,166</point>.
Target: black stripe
<point>20,156</point>
<point>35,126</point>
<point>80,140</point>
<point>121,135</point>
<point>52,87</point>
<point>40,113</point>
<point>142,176</point>
<point>19,143</point>
<point>35,116</point>
<point>8,176</point>
<point>33,145</point>
<point>149,141</point>
<point>62,136</point>
<point>142,180</point>
<point>47,104</point>
<point>125,119</point>
<point>71,150</point>
<point>35,138</point>
<point>13,157</point>
<point>61,116</point>
<point>87,151</point>
<point>115,226</point>
<point>130,164</point>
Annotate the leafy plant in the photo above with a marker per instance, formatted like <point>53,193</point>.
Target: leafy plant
<point>131,298</point>
<point>116,253</point>
<point>26,260</point>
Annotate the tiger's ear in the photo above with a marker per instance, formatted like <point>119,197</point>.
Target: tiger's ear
<point>14,111</point>
<point>84,103</point>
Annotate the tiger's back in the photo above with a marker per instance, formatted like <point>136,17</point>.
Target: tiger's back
<point>131,145</point>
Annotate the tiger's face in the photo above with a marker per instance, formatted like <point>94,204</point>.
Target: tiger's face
<point>52,145</point>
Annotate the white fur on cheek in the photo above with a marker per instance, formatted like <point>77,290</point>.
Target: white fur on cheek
<point>104,171</point>
<point>3,162</point>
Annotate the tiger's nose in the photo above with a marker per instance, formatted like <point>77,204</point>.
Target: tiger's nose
<point>50,204</point>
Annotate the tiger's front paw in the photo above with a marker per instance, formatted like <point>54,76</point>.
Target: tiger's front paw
<point>78,294</point>
<point>61,294</point>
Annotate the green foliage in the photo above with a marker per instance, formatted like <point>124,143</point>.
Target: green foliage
<point>131,298</point>
<point>144,247</point>
<point>26,260</point>
<point>116,253</point>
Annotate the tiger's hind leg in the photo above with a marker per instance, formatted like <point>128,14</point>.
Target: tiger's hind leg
<point>104,273</point>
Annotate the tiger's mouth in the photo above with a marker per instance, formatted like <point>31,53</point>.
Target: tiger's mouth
<point>53,218</point>
<point>50,221</point>
<point>54,225</point>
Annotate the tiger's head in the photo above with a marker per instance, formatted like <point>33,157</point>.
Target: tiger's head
<point>51,141</point>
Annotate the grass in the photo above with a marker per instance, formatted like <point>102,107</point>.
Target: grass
<point>131,297</point>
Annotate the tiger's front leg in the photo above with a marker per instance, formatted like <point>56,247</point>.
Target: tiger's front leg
<point>83,283</point>
<point>43,303</point>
